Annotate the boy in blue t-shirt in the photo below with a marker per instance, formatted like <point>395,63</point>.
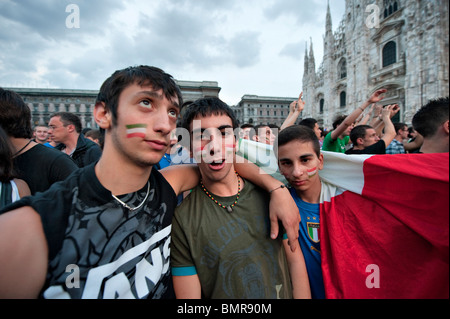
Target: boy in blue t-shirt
<point>300,160</point>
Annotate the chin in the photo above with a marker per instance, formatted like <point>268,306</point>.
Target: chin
<point>146,162</point>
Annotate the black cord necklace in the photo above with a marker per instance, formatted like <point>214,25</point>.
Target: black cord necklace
<point>18,152</point>
<point>230,207</point>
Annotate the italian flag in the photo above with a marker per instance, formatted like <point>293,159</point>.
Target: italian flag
<point>136,130</point>
<point>385,219</point>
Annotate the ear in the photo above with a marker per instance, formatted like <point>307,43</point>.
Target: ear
<point>71,128</point>
<point>360,141</point>
<point>102,116</point>
<point>320,166</point>
<point>446,127</point>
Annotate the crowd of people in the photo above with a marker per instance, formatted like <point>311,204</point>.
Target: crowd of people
<point>117,204</point>
<point>367,130</point>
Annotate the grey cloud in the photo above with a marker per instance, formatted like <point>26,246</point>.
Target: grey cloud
<point>207,5</point>
<point>295,11</point>
<point>47,18</point>
<point>294,50</point>
<point>174,36</point>
<point>244,49</point>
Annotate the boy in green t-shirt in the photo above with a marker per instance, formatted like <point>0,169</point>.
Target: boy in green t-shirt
<point>337,144</point>
<point>221,246</point>
<point>337,140</point>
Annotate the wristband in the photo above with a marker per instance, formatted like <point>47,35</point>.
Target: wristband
<point>281,186</point>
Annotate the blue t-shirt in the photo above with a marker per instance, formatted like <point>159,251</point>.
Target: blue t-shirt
<point>310,243</point>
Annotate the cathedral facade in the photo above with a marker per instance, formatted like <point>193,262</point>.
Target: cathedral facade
<point>394,44</point>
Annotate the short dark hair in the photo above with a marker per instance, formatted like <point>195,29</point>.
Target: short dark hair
<point>428,119</point>
<point>15,115</point>
<point>358,132</point>
<point>399,126</point>
<point>142,75</point>
<point>69,119</point>
<point>95,134</point>
<point>299,133</point>
<point>205,107</point>
<point>338,121</point>
<point>309,122</point>
<point>247,125</point>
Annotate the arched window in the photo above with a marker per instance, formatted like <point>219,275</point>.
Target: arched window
<point>389,54</point>
<point>322,105</point>
<point>343,99</point>
<point>342,69</point>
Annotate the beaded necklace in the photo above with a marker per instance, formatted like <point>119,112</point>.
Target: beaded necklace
<point>230,207</point>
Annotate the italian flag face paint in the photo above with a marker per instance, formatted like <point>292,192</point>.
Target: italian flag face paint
<point>136,130</point>
<point>312,172</point>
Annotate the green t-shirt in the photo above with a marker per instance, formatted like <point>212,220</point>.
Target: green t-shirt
<point>232,253</point>
<point>337,146</point>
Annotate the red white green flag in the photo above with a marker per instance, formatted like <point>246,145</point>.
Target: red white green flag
<point>384,226</point>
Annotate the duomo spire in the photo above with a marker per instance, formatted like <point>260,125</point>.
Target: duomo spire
<point>359,59</point>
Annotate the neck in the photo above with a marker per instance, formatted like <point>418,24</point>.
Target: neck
<point>312,195</point>
<point>226,187</point>
<point>399,138</point>
<point>119,175</point>
<point>71,143</point>
<point>430,146</point>
<point>19,143</point>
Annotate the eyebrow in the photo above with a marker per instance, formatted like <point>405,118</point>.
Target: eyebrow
<point>155,95</point>
<point>220,128</point>
<point>301,157</point>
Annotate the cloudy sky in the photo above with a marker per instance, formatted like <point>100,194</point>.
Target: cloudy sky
<point>247,46</point>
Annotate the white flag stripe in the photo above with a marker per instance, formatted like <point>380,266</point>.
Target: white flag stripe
<point>136,130</point>
<point>344,171</point>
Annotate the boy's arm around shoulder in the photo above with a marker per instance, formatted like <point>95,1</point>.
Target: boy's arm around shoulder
<point>282,205</point>
<point>23,254</point>
<point>182,177</point>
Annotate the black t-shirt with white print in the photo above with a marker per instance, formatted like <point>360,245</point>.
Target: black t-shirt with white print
<point>99,249</point>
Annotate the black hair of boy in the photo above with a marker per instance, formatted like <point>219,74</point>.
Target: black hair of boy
<point>141,75</point>
<point>428,119</point>
<point>206,107</point>
<point>300,133</point>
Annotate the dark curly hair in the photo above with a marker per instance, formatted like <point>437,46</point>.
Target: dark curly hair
<point>6,158</point>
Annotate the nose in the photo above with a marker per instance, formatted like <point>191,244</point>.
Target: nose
<point>298,171</point>
<point>162,122</point>
<point>215,143</point>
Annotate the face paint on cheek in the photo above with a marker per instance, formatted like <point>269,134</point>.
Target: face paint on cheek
<point>136,130</point>
<point>312,172</point>
<point>200,153</point>
<point>229,153</point>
